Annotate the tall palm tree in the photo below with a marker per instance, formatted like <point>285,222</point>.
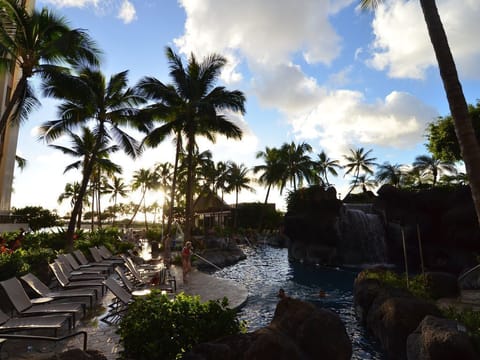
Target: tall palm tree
<point>107,105</point>
<point>324,166</point>
<point>144,179</point>
<point>469,146</point>
<point>430,165</point>
<point>358,162</point>
<point>191,107</point>
<point>364,182</point>
<point>71,192</point>
<point>84,147</point>
<point>116,188</point>
<point>389,174</point>
<point>297,164</point>
<point>39,43</point>
<point>237,180</point>
<point>271,169</point>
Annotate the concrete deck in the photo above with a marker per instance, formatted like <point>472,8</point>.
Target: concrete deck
<point>102,337</point>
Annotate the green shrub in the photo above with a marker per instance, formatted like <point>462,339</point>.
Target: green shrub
<point>12,264</point>
<point>157,328</point>
<point>471,319</point>
<point>416,284</point>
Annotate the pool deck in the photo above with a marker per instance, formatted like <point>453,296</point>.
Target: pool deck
<point>102,337</point>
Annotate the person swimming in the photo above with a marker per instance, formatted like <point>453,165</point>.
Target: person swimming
<point>322,293</point>
<point>281,294</point>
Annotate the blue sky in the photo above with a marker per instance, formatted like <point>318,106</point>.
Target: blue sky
<point>317,71</point>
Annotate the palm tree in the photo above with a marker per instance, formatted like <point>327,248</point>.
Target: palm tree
<point>389,174</point>
<point>116,188</point>
<point>71,192</point>
<point>469,146</point>
<point>324,166</point>
<point>237,180</point>
<point>40,43</point>
<point>144,179</point>
<point>108,105</point>
<point>358,162</point>
<point>190,107</point>
<point>272,169</point>
<point>430,165</point>
<point>296,163</point>
<point>83,146</point>
<point>363,182</point>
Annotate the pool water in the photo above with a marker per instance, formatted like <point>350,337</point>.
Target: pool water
<point>267,269</point>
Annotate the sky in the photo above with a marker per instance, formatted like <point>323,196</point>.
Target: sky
<point>316,71</point>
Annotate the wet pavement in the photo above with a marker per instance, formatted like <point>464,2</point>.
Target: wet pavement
<point>103,337</point>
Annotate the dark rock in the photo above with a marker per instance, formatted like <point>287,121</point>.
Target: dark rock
<point>392,319</point>
<point>298,331</point>
<point>439,339</point>
<point>441,284</point>
<point>364,293</point>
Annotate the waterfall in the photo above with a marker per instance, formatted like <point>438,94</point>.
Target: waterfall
<point>362,237</point>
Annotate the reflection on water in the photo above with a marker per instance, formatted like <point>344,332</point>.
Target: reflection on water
<point>267,269</point>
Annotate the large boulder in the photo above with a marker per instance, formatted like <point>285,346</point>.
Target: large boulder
<point>392,319</point>
<point>298,331</point>
<point>439,339</point>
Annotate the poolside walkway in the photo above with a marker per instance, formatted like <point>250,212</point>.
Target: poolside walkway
<point>102,337</point>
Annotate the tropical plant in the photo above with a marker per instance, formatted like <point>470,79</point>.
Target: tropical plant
<point>358,162</point>
<point>324,166</point>
<point>37,217</point>
<point>40,43</point>
<point>237,180</point>
<point>469,146</point>
<point>108,106</point>
<point>84,147</point>
<point>431,166</point>
<point>296,163</point>
<point>191,107</point>
<point>116,188</point>
<point>364,182</point>
<point>157,328</point>
<point>143,179</point>
<point>389,174</point>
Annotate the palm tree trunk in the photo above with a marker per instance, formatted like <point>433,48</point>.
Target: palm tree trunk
<point>145,212</point>
<point>4,120</point>
<point>87,172</point>
<point>168,231</point>
<point>262,213</point>
<point>236,210</point>
<point>469,146</point>
<point>189,195</point>
<point>137,208</point>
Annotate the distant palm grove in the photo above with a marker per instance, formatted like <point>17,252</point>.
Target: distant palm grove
<point>96,113</point>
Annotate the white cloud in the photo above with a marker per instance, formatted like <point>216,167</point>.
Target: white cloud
<point>72,3</point>
<point>342,120</point>
<point>267,32</point>
<point>127,12</point>
<point>402,46</point>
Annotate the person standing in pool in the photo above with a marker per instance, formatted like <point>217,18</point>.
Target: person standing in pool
<point>186,260</point>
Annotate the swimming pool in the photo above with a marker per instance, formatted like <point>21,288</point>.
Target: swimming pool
<point>267,269</point>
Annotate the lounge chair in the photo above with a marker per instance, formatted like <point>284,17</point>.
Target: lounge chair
<point>44,291</point>
<point>119,304</point>
<point>99,258</point>
<point>82,259</point>
<point>85,268</point>
<point>161,278</point>
<point>107,254</point>
<point>78,275</point>
<point>65,283</point>
<point>33,323</point>
<point>26,307</point>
